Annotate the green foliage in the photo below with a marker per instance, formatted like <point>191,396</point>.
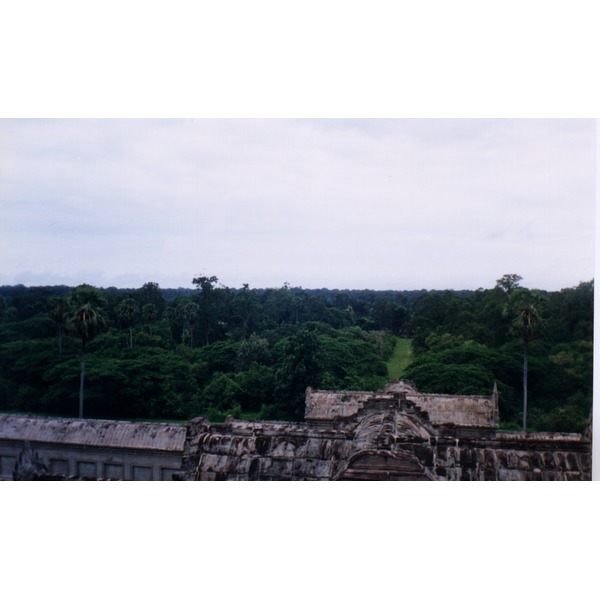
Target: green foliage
<point>319,356</point>
<point>253,350</point>
<point>535,334</point>
<point>217,351</point>
<point>220,356</point>
<point>469,368</point>
<point>508,283</point>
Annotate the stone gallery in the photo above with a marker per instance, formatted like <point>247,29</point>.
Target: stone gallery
<point>52,448</point>
<point>395,434</point>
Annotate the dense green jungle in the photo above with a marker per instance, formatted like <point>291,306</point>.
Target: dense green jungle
<point>172,354</point>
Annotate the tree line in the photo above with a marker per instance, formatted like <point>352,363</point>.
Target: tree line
<point>536,345</point>
<point>150,353</point>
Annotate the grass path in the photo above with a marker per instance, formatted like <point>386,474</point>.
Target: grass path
<point>400,359</point>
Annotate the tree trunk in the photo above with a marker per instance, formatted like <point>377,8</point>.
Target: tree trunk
<point>130,337</point>
<point>81,382</point>
<point>525,386</point>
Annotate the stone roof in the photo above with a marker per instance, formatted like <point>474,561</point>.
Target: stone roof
<point>443,409</point>
<point>169,437</point>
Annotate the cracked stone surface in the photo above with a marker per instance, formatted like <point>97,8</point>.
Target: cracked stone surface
<point>394,434</point>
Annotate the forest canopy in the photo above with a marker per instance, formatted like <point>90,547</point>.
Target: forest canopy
<point>153,353</point>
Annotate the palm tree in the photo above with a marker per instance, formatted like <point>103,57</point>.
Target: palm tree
<point>208,301</point>
<point>150,315</point>
<point>128,310</point>
<point>169,315</point>
<point>87,322</point>
<point>188,311</point>
<point>59,309</point>
<point>526,324</point>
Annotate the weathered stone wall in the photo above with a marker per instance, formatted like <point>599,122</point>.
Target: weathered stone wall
<point>92,448</point>
<point>386,435</point>
<point>300,455</point>
<point>383,440</point>
<point>247,450</point>
<point>507,457</point>
<point>467,411</point>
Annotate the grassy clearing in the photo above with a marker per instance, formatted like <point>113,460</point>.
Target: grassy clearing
<point>400,359</point>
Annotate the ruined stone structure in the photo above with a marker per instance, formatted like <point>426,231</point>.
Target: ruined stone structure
<point>393,434</point>
<point>89,449</point>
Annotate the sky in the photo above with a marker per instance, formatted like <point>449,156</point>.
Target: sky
<point>337,203</point>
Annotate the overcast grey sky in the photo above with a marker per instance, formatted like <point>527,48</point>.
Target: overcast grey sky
<point>380,204</point>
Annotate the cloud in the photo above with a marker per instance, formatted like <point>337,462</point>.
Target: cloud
<point>337,203</point>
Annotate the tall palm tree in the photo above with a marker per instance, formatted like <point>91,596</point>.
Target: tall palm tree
<point>150,315</point>
<point>128,310</point>
<point>169,315</point>
<point>87,323</point>
<point>59,309</point>
<point>526,324</point>
<point>208,302</point>
<point>87,320</point>
<point>188,311</point>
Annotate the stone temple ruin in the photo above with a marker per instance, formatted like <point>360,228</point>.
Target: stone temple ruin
<point>395,434</point>
<point>88,449</point>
